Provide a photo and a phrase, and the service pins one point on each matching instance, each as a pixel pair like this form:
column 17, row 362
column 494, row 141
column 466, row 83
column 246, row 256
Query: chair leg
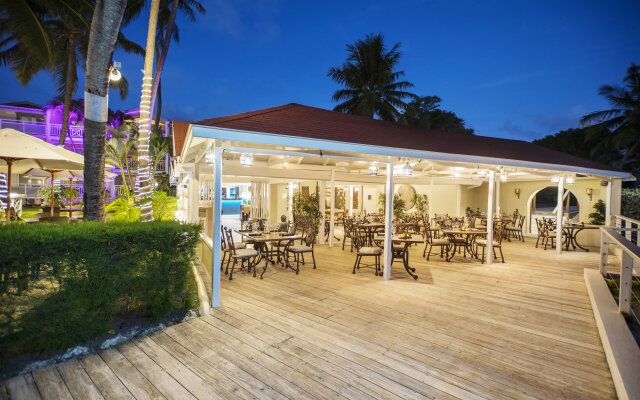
column 226, row 272
column 425, row 250
column 428, row 254
column 313, row 257
column 482, row 260
column 501, row 255
column 232, row 267
column 377, row 263
column 355, row 264
column 224, row 254
column 297, row 263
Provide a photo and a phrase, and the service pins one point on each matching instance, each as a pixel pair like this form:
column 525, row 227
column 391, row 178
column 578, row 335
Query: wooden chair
column 431, row 242
column 497, row 243
column 226, row 249
column 349, row 232
column 242, row 255
column 549, row 233
column 300, row 249
column 540, row 226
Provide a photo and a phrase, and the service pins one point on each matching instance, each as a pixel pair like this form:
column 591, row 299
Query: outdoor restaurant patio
column 522, row 329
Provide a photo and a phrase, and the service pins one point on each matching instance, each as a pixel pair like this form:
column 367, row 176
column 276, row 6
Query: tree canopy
column 425, row 112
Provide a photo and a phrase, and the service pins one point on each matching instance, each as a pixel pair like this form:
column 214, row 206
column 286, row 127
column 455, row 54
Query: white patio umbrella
column 20, row 152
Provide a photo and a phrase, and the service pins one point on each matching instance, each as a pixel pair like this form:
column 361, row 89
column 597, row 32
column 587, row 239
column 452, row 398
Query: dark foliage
column 425, row 112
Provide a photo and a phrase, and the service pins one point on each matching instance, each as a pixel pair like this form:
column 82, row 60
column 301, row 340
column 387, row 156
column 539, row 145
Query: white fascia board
column 211, row 132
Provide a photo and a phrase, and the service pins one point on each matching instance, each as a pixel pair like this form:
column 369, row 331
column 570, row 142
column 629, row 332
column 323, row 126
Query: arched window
column 542, row 204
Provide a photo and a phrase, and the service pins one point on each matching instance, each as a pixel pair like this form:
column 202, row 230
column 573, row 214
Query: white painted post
column 559, row 209
column 626, row 279
column 388, row 219
column 459, row 212
column 497, row 183
column 322, row 192
column 604, row 253
column 430, row 199
column 332, row 204
column 351, row 200
column 290, row 202
column 609, row 204
column 490, row 204
column 217, row 217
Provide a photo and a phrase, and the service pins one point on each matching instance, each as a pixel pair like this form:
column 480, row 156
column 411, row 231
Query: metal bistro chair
column 248, row 255
column 515, row 230
column 431, row 241
column 497, row 243
column 362, row 250
column 226, row 249
column 300, row 249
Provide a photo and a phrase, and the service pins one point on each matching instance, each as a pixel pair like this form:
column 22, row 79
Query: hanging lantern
column 407, row 170
column 555, row 179
column 570, row 180
column 246, row 160
column 373, row 168
column 209, row 157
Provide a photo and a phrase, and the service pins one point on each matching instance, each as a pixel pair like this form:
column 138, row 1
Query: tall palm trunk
column 142, row 178
column 105, row 26
column 159, row 108
column 68, row 90
column 163, row 56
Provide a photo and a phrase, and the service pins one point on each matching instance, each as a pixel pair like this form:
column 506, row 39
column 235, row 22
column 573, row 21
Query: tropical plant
column 105, row 28
column 399, row 205
column 422, row 205
column 45, row 193
column 598, row 215
column 69, row 194
column 622, row 120
column 370, row 80
column 164, row 207
column 631, row 203
column 159, row 147
column 123, row 210
column 309, row 208
column 424, row 112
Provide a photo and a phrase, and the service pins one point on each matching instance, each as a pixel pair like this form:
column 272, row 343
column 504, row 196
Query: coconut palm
column 623, row 120
column 371, row 82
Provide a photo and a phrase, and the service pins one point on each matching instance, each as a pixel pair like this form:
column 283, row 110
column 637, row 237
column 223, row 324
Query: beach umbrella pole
column 53, row 174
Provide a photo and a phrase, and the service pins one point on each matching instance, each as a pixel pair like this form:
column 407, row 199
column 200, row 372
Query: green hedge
column 62, row 285
column 631, row 203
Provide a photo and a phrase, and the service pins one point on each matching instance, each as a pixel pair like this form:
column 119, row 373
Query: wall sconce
column 517, row 191
column 590, row 193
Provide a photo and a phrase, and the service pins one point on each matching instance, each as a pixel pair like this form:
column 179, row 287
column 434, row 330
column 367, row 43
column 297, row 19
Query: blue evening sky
column 515, row 69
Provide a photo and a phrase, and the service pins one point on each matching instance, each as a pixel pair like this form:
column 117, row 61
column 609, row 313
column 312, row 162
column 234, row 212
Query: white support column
column 559, row 209
column 430, row 199
column 332, row 204
column 490, row 204
column 497, row 198
column 608, row 205
column 351, row 200
column 388, row 219
column 322, row 191
column 290, row 202
column 217, row 217
column 459, row 212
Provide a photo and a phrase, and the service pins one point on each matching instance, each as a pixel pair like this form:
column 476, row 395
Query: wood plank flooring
column 463, row 330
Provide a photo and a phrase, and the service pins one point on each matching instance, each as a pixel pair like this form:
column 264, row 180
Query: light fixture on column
column 570, row 180
column 209, row 157
column 590, row 193
column 517, row 192
column 407, row 170
column 246, row 160
column 373, row 168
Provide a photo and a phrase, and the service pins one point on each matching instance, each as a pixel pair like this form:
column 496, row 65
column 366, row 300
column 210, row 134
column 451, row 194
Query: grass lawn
column 31, row 211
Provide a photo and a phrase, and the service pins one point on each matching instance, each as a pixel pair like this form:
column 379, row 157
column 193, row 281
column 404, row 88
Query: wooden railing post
column 604, row 252
column 626, row 280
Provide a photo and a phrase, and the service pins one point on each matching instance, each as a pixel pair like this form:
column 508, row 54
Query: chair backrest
column 309, row 237
column 229, row 234
column 359, row 238
column 498, row 233
column 521, row 222
column 223, row 240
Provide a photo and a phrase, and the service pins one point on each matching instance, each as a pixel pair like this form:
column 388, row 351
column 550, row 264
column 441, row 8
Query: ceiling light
column 407, row 170
column 246, row 160
column 555, row 179
column 570, row 180
column 482, row 173
column 504, row 176
column 373, row 168
column 209, row 157
column 456, row 174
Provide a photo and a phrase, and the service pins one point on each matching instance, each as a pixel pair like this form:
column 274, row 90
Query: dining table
column 261, row 242
column 571, row 234
column 463, row 238
column 401, row 244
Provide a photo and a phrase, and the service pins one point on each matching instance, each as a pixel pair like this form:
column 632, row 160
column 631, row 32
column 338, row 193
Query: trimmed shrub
column 62, row 285
column 631, row 203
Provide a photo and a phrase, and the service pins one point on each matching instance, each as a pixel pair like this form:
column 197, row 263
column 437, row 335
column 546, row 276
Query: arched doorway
column 542, row 204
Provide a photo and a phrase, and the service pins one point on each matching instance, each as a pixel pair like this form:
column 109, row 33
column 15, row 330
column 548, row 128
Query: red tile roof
column 180, row 130
column 316, row 123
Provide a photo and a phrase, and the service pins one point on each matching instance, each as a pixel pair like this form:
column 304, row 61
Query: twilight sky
column 514, row 69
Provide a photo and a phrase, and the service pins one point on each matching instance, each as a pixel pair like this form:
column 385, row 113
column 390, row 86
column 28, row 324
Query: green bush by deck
column 76, row 278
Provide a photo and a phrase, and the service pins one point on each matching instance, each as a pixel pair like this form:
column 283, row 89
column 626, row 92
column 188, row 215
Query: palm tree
column 371, row 83
column 105, row 28
column 623, row 120
column 166, row 31
column 118, row 149
column 143, row 182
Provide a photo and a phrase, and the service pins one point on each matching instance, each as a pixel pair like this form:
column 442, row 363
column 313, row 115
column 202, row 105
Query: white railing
column 630, row 254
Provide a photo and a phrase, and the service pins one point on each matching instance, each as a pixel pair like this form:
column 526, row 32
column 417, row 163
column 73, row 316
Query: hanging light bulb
column 246, row 160
column 373, row 168
column 209, row 157
column 407, row 170
column 570, row 180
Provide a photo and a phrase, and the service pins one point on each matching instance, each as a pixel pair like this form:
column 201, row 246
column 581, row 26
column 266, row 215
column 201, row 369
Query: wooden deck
column 519, row 330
